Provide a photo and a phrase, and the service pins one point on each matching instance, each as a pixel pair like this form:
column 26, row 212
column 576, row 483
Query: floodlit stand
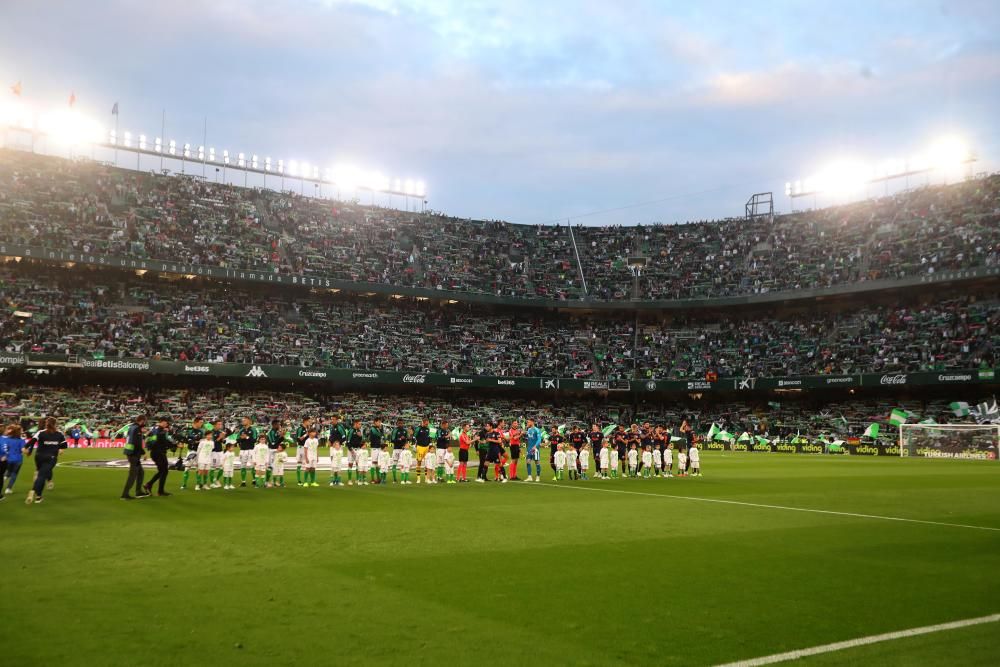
column 950, row 441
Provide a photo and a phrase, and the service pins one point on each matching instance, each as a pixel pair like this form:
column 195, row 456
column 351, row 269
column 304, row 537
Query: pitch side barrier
column 850, row 448
column 266, row 275
column 358, row 377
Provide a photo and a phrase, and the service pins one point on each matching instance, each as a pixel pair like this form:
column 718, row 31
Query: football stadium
column 261, row 410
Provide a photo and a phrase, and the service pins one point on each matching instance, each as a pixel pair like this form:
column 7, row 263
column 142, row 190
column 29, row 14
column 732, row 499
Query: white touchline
column 776, row 507
column 862, row 641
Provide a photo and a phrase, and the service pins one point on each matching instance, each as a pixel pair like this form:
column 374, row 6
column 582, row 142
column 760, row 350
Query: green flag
column 744, row 437
column 929, row 420
column 761, row 440
column 897, row 417
column 712, row 432
column 122, row 431
column 959, row 408
column 433, row 431
column 561, row 429
column 455, row 433
column 724, row 436
column 608, row 429
column 70, row 424
column 871, row 431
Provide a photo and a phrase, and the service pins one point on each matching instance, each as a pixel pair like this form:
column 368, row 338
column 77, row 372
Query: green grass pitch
column 552, row 573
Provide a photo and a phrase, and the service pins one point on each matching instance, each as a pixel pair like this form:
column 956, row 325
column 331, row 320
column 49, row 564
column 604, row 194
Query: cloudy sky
column 532, row 111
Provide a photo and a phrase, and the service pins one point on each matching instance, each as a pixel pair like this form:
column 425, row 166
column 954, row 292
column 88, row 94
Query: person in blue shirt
column 12, row 448
column 533, row 442
column 3, row 458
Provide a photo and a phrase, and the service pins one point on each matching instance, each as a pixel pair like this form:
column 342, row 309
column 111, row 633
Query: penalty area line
column 862, row 641
column 788, row 508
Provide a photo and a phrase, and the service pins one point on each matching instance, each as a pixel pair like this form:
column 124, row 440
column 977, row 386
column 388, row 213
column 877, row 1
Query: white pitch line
column 862, row 641
column 778, row 507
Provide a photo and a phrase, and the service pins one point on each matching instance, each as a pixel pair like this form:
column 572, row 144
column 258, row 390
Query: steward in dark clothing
column 158, row 443
column 133, row 452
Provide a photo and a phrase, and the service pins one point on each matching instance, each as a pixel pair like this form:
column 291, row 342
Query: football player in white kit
column 384, row 463
column 633, row 461
column 430, row 465
column 584, row 461
column 261, row 455
column 309, row 460
column 405, row 463
column 571, row 459
column 301, row 435
column 560, row 461
column 449, row 466
column 694, row 456
column 204, row 456
column 278, row 465
column 604, row 461
column 336, row 461
column 363, row 460
column 228, row 466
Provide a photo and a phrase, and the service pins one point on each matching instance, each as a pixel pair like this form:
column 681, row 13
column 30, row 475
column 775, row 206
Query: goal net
column 950, row 441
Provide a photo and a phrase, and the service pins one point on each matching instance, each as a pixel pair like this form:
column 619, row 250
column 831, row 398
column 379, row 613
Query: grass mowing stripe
column 779, row 507
column 862, row 641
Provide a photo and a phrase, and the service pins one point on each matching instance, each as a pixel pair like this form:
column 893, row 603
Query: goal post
column 950, row 441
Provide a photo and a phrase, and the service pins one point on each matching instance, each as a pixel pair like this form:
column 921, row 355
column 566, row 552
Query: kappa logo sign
column 256, row 372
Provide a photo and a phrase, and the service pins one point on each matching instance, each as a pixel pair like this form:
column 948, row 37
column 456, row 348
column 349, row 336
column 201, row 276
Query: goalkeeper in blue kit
column 533, row 443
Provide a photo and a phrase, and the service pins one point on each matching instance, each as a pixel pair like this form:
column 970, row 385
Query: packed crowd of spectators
column 959, row 332
column 919, row 232
column 107, row 408
column 106, row 314
column 52, row 311
column 95, row 208
column 91, row 207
